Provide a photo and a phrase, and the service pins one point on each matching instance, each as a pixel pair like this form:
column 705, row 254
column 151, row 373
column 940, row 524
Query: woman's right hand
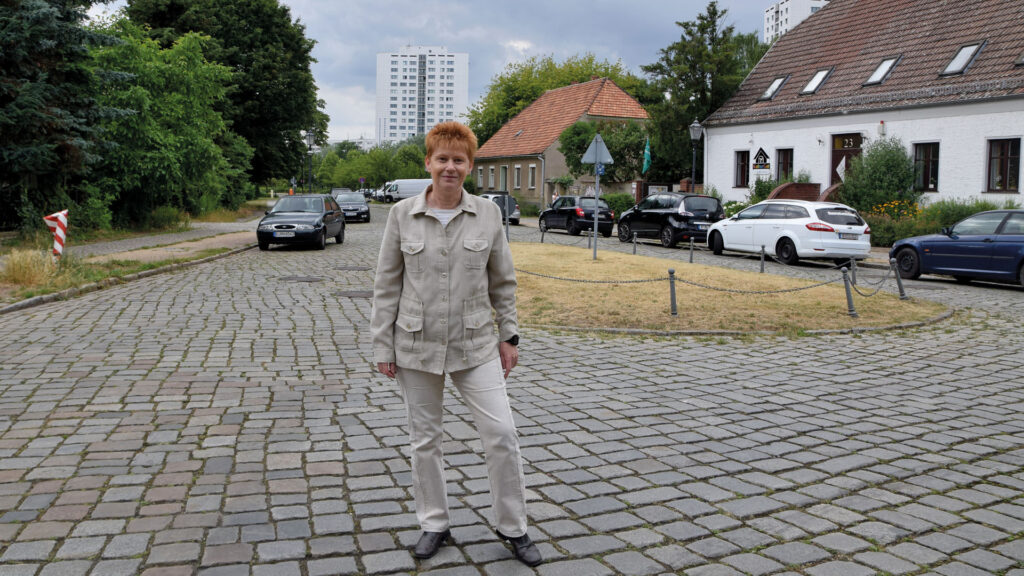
column 387, row 368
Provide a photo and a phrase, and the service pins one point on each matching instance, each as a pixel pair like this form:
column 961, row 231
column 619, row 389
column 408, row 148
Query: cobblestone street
column 225, row 420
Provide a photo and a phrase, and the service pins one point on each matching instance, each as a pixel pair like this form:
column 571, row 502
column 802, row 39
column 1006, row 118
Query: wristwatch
column 513, row 340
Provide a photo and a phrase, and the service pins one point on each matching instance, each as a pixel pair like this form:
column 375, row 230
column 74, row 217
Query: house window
column 742, row 177
column 964, row 56
column 816, row 81
column 926, row 167
column 490, row 177
column 1004, row 165
column 517, row 182
column 773, row 88
column 784, row 163
column 479, row 177
column 882, row 72
column 503, row 178
column 532, row 178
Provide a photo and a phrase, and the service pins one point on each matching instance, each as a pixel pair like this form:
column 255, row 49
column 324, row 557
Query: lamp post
column 309, row 151
column 695, row 130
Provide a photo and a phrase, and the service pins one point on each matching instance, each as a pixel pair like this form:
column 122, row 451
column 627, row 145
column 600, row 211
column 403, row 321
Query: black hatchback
column 575, row 214
column 671, row 217
column 302, row 219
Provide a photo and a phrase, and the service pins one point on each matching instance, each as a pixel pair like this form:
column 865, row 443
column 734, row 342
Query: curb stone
column 69, row 293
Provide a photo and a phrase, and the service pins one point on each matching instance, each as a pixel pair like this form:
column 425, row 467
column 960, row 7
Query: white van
column 402, row 189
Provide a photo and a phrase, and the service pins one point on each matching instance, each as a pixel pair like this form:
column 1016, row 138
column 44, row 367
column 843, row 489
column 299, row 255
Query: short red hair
column 451, row 135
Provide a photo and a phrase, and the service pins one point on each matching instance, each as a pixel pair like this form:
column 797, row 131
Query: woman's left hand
column 509, row 356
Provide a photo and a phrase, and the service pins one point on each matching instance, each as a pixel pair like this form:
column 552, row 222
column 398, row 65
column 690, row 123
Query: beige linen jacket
column 435, row 287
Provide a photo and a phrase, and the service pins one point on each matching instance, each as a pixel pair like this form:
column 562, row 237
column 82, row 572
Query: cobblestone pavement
column 225, row 419
column 198, row 230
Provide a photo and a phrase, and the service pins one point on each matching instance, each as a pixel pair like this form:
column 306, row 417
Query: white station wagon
column 794, row 229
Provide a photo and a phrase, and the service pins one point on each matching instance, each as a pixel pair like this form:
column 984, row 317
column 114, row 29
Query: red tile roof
column 854, row 36
column 535, row 128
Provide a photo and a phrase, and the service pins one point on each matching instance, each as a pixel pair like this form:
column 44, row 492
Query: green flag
column 647, row 155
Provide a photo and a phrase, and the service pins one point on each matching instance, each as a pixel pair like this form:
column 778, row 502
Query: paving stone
column 945, row 543
column 985, row 560
column 584, row 567
column 126, row 545
column 840, row 568
column 279, row 569
column 631, row 563
column 795, row 553
column 125, row 567
column 976, row 533
column 66, row 568
column 753, row 564
column 842, row 543
column 172, row 553
column 332, row 567
column 879, row 532
column 885, row 562
column 388, row 562
column 28, row 551
column 227, row 554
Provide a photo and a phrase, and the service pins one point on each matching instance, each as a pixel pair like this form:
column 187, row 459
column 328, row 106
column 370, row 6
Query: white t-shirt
column 445, row 216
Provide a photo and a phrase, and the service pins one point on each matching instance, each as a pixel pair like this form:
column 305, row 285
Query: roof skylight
column 816, row 81
column 882, row 72
column 964, row 56
column 773, row 88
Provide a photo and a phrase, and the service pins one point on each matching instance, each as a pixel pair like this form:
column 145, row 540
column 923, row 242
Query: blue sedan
column 985, row 246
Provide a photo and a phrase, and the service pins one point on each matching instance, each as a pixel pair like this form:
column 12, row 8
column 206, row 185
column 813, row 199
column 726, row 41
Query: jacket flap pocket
column 475, row 245
column 412, row 247
column 409, row 323
column 478, row 319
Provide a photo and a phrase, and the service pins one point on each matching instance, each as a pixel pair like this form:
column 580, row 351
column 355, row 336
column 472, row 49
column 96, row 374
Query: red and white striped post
column 58, row 223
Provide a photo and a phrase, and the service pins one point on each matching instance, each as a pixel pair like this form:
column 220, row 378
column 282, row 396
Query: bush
column 949, row 212
column 166, row 217
column 28, row 267
column 885, row 172
column 619, row 202
column 528, row 209
column 732, row 207
column 898, row 219
column 762, row 188
column 710, row 190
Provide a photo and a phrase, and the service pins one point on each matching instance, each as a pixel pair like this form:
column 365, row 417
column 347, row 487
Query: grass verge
column 247, row 211
column 548, row 302
column 29, row 273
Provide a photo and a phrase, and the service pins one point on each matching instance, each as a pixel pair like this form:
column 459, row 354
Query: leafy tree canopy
column 522, row 83
column 883, row 173
column 625, row 142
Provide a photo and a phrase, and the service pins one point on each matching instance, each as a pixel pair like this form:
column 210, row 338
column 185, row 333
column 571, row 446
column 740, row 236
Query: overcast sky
column 350, row 33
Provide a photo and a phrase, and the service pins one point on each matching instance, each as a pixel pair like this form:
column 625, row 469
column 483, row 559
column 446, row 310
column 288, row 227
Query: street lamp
column 695, row 130
column 309, row 150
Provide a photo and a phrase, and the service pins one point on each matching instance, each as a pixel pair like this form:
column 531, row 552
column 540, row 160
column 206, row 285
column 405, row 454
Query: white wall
column 962, row 132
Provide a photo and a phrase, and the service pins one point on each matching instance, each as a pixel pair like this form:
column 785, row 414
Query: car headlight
column 305, row 227
column 265, row 227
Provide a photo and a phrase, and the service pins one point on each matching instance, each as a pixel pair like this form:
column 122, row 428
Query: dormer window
column 882, row 72
column 1020, row 60
column 773, row 88
column 816, row 81
column 964, row 56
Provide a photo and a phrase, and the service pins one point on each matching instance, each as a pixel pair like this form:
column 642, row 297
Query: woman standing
column 444, row 265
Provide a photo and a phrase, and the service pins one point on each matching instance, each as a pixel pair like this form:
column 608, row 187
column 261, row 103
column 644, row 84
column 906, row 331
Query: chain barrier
column 582, row 281
column 677, row 279
column 877, row 285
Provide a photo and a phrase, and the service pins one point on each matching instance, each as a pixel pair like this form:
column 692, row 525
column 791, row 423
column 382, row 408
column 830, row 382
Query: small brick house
column 523, row 158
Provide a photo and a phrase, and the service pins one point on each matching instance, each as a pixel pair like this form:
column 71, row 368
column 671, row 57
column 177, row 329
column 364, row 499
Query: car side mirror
column 265, row 212
column 947, row 231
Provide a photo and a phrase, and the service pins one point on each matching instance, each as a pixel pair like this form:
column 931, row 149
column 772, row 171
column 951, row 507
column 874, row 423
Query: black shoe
column 430, row 543
column 524, row 548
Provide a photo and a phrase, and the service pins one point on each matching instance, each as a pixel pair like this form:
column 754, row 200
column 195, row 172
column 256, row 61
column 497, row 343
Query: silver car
column 501, row 200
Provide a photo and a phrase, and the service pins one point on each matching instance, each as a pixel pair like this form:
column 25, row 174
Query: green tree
column 521, row 83
column 47, row 108
column 697, row 74
column 884, row 173
column 273, row 97
column 625, row 142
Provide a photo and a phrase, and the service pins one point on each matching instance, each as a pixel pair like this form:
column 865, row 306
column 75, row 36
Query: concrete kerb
column 108, row 282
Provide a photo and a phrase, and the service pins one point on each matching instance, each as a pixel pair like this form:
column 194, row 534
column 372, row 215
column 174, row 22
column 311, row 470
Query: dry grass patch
column 543, row 301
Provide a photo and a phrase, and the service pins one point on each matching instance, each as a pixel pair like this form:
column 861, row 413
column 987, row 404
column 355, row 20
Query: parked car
column 302, row 219
column 500, row 200
column 378, row 194
column 671, row 217
column 985, row 246
column 354, row 205
column 576, row 214
column 405, row 188
column 366, row 192
column 336, row 191
column 794, row 229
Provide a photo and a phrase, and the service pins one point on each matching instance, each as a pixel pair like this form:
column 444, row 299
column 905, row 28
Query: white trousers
column 483, row 390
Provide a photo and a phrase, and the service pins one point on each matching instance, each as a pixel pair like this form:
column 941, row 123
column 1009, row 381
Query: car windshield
column 350, row 197
column 589, row 203
column 293, row 204
column 839, row 215
column 985, row 223
column 700, row 204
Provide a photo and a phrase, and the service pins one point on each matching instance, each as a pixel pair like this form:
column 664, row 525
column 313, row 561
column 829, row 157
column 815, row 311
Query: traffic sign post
column 598, row 155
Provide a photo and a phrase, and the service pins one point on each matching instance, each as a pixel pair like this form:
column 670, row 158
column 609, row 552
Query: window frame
column 885, row 75
column 479, row 176
column 532, row 177
column 770, row 94
column 737, row 181
column 490, row 177
column 925, row 166
column 979, row 46
column 1008, row 163
column 779, row 173
column 517, row 177
column 807, row 87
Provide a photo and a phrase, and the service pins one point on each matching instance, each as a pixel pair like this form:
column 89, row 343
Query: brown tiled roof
column 535, row 128
column 854, row 36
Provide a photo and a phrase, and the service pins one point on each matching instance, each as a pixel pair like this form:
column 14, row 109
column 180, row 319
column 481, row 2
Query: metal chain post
column 762, row 258
column 849, row 295
column 672, row 289
column 899, row 279
column 588, row 241
column 853, row 271
column 691, row 250
column 634, row 243
column 542, row 231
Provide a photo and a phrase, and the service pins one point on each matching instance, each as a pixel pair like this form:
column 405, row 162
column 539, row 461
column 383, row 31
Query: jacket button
column 444, row 274
column 443, row 321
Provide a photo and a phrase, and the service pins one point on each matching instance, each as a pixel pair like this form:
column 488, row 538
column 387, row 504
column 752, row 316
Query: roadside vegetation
column 548, row 302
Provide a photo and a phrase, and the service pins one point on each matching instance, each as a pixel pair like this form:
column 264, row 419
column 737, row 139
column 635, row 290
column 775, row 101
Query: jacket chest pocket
column 408, row 332
column 475, row 253
column 412, row 254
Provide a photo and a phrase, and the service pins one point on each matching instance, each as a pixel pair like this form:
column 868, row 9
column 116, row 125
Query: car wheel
column 340, row 237
column 264, row 245
column 321, row 242
column 1020, row 274
column 606, row 233
column 573, row 229
column 716, row 244
column 785, row 250
column 543, row 224
column 514, row 221
column 367, row 218
column 625, row 232
column 668, row 239
column 963, row 279
column 908, row 263
column 389, row 199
